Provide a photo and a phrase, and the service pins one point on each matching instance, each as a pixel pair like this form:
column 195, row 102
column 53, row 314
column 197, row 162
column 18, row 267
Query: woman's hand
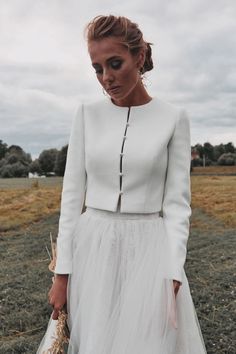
column 58, row 293
column 176, row 285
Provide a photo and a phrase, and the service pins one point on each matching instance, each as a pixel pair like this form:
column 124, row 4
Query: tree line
column 15, row 162
column 207, row 154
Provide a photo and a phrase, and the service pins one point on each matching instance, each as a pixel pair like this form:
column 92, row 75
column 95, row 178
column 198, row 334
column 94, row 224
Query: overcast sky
column 45, row 69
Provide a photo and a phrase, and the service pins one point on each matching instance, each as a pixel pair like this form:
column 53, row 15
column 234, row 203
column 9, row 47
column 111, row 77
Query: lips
column 113, row 89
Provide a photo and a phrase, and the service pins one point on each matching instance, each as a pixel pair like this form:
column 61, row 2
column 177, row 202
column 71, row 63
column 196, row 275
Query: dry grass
column 23, row 201
column 216, row 195
column 215, row 169
column 22, row 206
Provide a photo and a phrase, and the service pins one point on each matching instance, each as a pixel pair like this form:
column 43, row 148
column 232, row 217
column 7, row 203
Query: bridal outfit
column 130, row 168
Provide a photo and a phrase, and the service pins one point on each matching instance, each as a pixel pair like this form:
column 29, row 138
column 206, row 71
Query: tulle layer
column 119, row 298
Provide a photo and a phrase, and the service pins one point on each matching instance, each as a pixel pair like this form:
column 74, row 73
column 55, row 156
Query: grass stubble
column 29, row 211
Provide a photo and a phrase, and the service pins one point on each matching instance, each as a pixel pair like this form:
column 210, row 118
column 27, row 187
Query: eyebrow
column 109, row 59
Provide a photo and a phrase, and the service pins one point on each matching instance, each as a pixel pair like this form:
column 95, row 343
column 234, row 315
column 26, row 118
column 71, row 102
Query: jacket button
column 125, row 137
column 121, row 192
column 121, row 154
column 121, row 174
column 127, row 124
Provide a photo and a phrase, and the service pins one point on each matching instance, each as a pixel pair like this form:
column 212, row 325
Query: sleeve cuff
column 175, row 273
column 63, row 268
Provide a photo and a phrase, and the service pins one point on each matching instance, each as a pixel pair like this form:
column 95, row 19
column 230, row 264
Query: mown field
column 229, row 170
column 29, row 211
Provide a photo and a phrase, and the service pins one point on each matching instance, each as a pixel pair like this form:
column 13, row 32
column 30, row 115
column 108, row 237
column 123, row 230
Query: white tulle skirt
column 119, row 300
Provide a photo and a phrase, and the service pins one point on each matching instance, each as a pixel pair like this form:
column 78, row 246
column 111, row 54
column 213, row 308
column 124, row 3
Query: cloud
column 45, row 68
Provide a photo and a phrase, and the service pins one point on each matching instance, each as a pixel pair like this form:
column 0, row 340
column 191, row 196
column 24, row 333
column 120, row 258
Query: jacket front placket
column 122, row 153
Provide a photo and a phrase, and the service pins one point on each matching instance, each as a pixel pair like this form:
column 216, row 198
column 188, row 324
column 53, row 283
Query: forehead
column 102, row 49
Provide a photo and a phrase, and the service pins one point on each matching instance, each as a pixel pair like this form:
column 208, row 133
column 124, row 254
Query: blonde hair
column 119, row 26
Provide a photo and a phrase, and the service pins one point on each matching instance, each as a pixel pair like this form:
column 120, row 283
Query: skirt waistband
column 120, row 215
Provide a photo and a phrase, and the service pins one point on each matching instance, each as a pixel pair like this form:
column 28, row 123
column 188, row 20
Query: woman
column 120, row 263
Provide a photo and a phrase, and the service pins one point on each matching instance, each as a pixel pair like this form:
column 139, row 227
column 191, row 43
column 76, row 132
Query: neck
column 137, row 97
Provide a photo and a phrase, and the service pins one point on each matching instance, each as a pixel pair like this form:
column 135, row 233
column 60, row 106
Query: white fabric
column 156, row 171
column 48, row 338
column 120, row 300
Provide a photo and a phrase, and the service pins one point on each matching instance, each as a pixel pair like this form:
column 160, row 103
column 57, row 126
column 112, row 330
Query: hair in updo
column 119, row 26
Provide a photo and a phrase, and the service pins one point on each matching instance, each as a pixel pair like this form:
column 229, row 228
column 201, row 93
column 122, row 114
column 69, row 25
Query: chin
column 119, row 96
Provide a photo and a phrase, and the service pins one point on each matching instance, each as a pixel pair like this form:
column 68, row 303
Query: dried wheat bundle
column 53, row 258
column 61, row 337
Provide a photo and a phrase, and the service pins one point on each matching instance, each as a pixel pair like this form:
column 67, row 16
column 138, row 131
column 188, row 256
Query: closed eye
column 98, row 68
column 116, row 64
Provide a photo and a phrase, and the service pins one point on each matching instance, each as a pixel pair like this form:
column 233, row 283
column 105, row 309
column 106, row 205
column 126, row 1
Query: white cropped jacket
column 155, row 171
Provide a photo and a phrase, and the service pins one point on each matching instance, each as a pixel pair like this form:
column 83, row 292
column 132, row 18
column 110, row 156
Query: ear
column 141, row 58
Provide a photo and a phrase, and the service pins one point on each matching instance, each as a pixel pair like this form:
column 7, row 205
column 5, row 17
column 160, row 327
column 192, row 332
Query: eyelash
column 117, row 66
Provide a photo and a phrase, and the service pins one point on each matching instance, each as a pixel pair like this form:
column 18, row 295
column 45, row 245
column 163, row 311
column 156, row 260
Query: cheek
column 99, row 78
column 129, row 73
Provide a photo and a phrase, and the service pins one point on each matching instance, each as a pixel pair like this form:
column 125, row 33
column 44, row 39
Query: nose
column 107, row 76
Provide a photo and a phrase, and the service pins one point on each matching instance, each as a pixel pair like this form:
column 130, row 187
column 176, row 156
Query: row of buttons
column 122, row 153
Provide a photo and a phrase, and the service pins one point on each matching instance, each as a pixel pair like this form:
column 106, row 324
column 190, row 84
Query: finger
column 55, row 314
column 176, row 290
column 50, row 300
column 50, row 295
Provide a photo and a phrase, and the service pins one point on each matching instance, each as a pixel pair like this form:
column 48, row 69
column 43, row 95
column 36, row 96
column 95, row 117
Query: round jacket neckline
column 132, row 107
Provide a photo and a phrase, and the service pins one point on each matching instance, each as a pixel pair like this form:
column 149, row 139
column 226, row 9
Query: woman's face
column 117, row 70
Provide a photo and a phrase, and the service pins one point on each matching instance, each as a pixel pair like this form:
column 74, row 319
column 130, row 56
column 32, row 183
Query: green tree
column 208, row 151
column 15, row 162
column 19, row 153
column 19, row 170
column 229, row 147
column 227, row 159
column 6, row 171
column 35, row 167
column 218, row 151
column 199, row 149
column 47, row 160
column 3, row 149
column 61, row 161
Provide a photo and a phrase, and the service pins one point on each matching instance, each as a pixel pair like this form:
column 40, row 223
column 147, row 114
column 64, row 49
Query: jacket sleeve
column 177, row 196
column 73, row 194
